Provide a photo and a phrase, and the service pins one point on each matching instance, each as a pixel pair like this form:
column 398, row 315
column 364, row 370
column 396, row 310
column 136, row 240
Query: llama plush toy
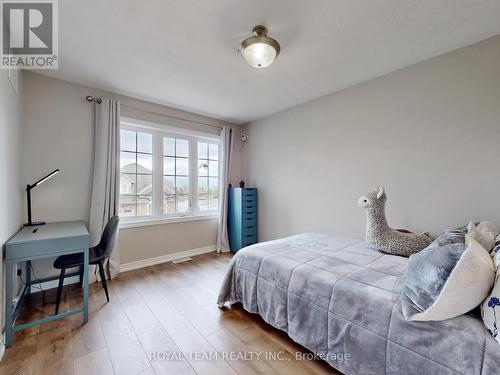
column 383, row 237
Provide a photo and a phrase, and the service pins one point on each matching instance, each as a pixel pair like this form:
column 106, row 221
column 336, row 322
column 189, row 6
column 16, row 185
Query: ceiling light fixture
column 259, row 51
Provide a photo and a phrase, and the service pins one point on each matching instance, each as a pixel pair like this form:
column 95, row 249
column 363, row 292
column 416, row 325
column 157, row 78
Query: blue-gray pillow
column 450, row 237
column 427, row 275
column 448, row 278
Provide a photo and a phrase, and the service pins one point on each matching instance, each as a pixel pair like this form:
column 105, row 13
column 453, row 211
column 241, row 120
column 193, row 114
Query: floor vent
column 181, row 260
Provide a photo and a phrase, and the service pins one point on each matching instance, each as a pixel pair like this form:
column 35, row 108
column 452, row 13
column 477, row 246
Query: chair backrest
column 108, row 237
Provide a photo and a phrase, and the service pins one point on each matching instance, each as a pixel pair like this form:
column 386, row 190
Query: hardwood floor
column 154, row 312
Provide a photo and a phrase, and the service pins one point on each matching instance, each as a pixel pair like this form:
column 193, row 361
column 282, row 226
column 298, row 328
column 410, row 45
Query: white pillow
column 484, row 233
column 466, row 286
column 490, row 309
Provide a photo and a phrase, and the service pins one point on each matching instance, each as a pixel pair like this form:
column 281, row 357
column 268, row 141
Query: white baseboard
column 131, row 266
column 165, row 258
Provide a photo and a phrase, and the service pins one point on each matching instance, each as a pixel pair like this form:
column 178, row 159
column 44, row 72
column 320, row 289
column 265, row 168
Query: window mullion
column 193, row 173
column 157, row 174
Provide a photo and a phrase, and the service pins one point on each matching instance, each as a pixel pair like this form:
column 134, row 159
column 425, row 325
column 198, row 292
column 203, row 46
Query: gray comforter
column 337, row 296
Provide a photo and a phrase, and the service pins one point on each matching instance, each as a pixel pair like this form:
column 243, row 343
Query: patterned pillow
column 490, row 309
column 447, row 281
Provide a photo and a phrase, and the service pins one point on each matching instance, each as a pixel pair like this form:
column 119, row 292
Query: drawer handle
column 249, row 207
column 249, row 200
column 250, row 227
column 249, row 235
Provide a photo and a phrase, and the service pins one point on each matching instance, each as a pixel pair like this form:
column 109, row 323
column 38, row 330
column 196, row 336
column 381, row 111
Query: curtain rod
column 171, row 117
column 92, row 99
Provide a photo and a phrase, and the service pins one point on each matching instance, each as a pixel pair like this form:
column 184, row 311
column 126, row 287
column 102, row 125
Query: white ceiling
column 183, row 53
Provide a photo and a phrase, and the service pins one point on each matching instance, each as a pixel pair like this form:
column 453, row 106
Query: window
column 136, row 173
column 208, row 176
column 165, row 173
column 175, row 175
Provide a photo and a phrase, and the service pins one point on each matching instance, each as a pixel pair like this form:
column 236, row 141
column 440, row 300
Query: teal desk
column 44, row 241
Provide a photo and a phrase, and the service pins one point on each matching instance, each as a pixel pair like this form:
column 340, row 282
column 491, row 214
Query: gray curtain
column 226, row 137
column 106, row 180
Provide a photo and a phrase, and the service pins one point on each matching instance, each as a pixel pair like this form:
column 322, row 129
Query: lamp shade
column 259, row 51
column 42, row 180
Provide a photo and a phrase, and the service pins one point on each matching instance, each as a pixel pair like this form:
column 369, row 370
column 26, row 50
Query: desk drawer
column 51, row 239
column 47, row 248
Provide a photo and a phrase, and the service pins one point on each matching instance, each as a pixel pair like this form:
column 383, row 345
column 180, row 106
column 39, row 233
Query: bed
column 339, row 298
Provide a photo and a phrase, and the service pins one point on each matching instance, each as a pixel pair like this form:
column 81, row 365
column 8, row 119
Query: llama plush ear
column 380, row 192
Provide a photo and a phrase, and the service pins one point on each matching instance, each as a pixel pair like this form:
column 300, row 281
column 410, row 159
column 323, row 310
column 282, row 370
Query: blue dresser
column 242, row 217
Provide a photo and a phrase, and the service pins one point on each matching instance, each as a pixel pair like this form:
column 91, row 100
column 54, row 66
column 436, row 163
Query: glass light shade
column 259, row 51
column 259, row 55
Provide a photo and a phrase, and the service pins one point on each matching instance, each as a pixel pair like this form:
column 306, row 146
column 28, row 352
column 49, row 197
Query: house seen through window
column 136, row 173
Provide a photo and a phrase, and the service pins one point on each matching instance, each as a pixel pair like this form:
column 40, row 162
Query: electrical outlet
column 19, row 271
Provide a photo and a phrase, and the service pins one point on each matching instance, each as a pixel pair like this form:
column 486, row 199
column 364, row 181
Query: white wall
column 430, row 133
column 58, row 134
column 11, row 191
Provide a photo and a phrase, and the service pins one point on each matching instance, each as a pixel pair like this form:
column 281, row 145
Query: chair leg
column 59, row 289
column 103, row 278
column 81, row 276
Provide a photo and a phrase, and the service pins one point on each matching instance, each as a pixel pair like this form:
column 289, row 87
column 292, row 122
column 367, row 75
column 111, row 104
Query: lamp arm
column 28, row 196
column 44, row 178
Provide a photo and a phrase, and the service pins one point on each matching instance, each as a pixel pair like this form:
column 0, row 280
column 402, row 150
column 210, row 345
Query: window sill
column 164, row 220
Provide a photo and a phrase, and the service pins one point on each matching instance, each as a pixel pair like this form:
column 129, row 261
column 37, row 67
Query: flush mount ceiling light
column 259, row 51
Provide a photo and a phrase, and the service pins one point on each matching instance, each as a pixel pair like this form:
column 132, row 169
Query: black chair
column 97, row 256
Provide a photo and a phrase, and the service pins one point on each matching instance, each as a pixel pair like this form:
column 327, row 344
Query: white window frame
column 159, row 131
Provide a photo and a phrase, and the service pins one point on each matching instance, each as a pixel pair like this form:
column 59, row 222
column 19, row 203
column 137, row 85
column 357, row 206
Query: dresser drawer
column 249, row 229
column 249, row 220
column 249, row 216
column 249, row 193
column 249, row 239
column 250, row 200
column 249, row 209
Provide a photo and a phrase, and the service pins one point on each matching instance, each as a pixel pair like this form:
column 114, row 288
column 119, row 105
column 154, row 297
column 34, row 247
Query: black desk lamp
column 28, row 195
